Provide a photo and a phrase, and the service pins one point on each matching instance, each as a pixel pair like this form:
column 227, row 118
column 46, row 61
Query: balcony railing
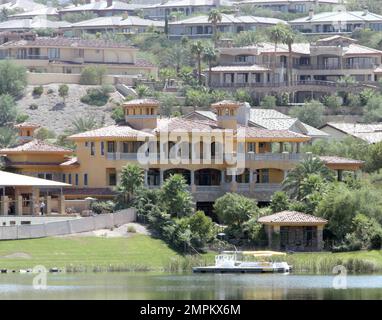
column 121, row 156
column 334, row 67
column 276, row 85
column 275, row 156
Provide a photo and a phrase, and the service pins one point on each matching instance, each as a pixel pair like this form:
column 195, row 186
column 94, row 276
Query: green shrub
column 50, row 91
column 268, row 102
column 97, row 96
column 22, row 117
column 131, row 229
column 33, row 106
column 102, row 207
column 38, row 91
column 92, row 75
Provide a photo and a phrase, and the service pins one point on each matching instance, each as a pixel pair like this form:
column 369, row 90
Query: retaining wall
column 85, row 224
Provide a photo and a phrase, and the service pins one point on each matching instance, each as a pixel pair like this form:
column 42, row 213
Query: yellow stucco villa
column 214, row 156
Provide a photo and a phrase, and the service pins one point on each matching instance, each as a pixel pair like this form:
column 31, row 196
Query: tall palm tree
column 210, row 55
column 214, row 17
column 277, row 34
column 82, row 124
column 293, row 181
column 197, row 49
column 289, row 39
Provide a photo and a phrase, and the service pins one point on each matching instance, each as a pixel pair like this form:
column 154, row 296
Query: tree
column 374, row 159
column 268, row 102
column 214, row 17
column 63, row 92
column 288, row 39
column 8, row 137
column 131, row 181
column 234, row 209
column 202, row 229
column 276, row 35
column 197, row 49
column 8, row 111
column 92, row 75
column 143, row 91
column 83, row 124
column 311, row 113
column 176, row 198
column 292, row 183
column 210, row 55
column 373, row 109
column 13, row 78
column 279, row 202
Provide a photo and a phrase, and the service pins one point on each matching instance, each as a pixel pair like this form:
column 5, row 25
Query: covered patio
column 294, row 231
column 23, row 195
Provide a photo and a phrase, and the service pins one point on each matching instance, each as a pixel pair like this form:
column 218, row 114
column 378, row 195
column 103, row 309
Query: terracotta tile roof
column 37, row 146
column 27, row 125
column 239, row 68
column 71, row 162
column 141, row 102
column 339, row 160
column 115, row 131
column 67, row 42
column 252, row 132
column 224, row 103
column 143, row 63
column 292, row 217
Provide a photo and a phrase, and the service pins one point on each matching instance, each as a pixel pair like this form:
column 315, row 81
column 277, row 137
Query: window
column 49, row 176
column 112, row 179
column 125, row 147
column 102, row 148
column 64, row 177
column 251, row 147
column 85, row 179
column 53, row 53
column 70, row 179
column 110, row 147
column 86, row 144
column 92, row 149
column 76, row 179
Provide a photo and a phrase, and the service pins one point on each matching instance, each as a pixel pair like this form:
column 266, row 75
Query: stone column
column 276, row 244
column 192, row 181
column 145, row 182
column 19, row 205
column 251, row 180
column 319, row 236
column 160, row 177
column 298, row 144
column 281, row 147
column 4, row 205
column 61, row 204
column 48, row 205
column 35, row 201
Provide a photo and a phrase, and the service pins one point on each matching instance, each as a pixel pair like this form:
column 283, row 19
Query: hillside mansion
column 228, row 154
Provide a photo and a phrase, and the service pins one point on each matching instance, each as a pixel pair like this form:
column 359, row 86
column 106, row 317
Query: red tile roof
column 141, row 102
column 292, row 217
column 115, row 131
column 339, row 160
column 27, row 125
column 37, row 146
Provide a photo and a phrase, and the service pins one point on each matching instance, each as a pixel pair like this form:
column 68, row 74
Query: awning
column 8, row 179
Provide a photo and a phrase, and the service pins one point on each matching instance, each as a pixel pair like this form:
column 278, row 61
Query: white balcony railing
column 286, row 156
column 121, row 156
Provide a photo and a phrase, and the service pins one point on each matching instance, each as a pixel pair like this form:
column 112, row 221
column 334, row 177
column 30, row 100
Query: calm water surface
column 190, row 286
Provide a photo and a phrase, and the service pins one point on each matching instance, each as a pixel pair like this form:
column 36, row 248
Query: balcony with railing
column 285, row 156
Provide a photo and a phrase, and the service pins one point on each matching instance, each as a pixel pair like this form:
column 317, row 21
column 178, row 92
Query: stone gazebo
column 295, row 231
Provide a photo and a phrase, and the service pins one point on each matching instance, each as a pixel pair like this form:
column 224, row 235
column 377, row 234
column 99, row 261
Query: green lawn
column 136, row 252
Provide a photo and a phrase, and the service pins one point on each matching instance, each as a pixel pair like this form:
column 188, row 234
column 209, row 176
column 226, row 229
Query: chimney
column 226, row 113
column 365, row 10
column 311, row 14
column 26, row 131
column 244, row 113
column 109, row 3
column 141, row 113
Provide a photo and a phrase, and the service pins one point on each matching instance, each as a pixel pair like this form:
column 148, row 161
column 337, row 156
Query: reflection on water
column 208, row 286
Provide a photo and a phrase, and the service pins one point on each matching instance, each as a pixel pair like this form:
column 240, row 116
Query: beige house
column 314, row 67
column 49, row 58
column 294, row 231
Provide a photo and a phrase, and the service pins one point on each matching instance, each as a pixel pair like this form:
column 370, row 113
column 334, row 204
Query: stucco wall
column 68, row 226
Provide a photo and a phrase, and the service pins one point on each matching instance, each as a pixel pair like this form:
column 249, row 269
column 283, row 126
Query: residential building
column 42, row 12
column 268, row 119
column 22, row 5
column 32, row 24
column 370, row 133
column 200, row 27
column 337, row 22
column 227, row 154
column 313, row 68
column 102, row 8
column 291, row 6
column 49, row 58
column 129, row 25
column 186, row 7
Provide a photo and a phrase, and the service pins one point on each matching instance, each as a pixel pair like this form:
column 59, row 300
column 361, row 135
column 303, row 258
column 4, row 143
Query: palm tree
column 142, row 91
column 131, row 181
column 214, row 17
column 277, row 34
column 197, row 49
column 292, row 183
column 210, row 55
column 82, row 124
column 289, row 38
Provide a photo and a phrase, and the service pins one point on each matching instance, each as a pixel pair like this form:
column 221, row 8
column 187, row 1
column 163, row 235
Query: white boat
column 228, row 263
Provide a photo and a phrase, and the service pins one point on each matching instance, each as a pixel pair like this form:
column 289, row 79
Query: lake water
column 189, row 286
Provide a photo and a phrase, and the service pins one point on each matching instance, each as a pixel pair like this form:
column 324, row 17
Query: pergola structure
column 21, row 194
column 295, row 231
